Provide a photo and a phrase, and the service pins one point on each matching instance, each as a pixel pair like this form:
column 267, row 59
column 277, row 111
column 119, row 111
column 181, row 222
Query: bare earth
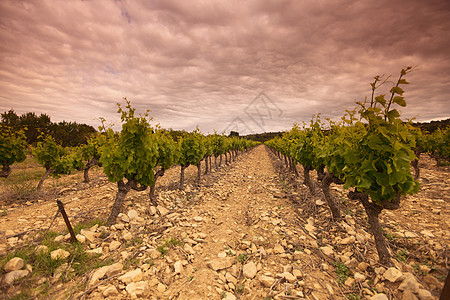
column 242, row 230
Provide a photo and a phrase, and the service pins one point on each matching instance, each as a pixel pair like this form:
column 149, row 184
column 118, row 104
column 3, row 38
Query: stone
column 14, row 264
column 137, row 288
column 427, row 233
column 81, row 238
column 362, row 266
column 59, row 254
column 98, row 250
column 110, row 291
column 127, row 236
column 162, row 210
column 409, row 234
column 359, row 277
column 198, row 219
column 152, row 210
column 131, row 276
column 132, row 215
column 89, row 235
column 289, row 277
column 297, row 273
column 161, row 287
column 327, row 250
column 188, row 248
column 392, row 274
column 178, row 266
column 14, row 275
column 220, row 263
column 229, row 296
column 249, row 270
column 230, row 278
column 424, row 294
column 278, row 249
column 379, row 297
column 105, row 271
column 409, row 283
column 114, row 245
column 266, row 280
column 310, row 228
column 348, row 240
column 408, row 295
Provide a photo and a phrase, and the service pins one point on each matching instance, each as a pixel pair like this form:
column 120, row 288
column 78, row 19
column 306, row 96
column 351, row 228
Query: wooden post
column 66, row 219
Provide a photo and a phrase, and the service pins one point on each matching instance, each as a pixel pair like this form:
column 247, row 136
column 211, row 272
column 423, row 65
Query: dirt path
column 250, row 230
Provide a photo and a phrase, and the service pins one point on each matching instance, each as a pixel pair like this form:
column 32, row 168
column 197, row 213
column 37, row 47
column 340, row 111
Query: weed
column 401, row 255
column 242, row 258
column 131, row 262
column 170, row 243
column 3, row 213
column 342, row 271
column 353, row 296
column 240, row 288
column 191, row 277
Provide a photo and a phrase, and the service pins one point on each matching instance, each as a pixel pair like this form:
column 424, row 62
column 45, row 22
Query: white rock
column 15, row 263
column 266, row 280
column 379, row 297
column 42, row 248
column 81, row 238
column 178, row 266
column 133, row 215
column 249, row 270
column 427, row 233
column 359, row 277
column 127, row 236
column 348, row 240
column 110, row 291
column 161, row 287
column 162, row 210
column 90, row 236
column 392, row 274
column 278, row 249
column 220, row 263
column 59, row 254
column 131, row 276
column 198, row 219
column 424, row 294
column 152, row 210
column 137, row 288
column 229, row 296
column 320, row 202
column 114, row 245
column 327, row 250
column 409, row 283
column 105, row 271
column 14, row 275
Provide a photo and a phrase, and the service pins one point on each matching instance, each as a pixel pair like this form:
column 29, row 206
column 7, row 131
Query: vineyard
column 355, row 209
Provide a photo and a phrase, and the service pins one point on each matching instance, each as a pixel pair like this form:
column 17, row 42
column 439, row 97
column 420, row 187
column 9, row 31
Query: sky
column 249, row 66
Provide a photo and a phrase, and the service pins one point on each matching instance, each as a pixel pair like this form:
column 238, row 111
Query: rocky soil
column 250, row 230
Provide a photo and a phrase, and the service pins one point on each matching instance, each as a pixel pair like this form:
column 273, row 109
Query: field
column 249, row 230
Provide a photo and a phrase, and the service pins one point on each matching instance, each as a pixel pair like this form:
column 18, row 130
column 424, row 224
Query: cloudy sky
column 250, row 66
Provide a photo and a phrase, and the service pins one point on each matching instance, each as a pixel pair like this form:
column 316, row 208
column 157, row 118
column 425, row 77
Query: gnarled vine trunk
column 182, row 177
column 6, row 170
column 122, row 191
column 307, row 180
column 159, row 173
column 48, row 171
column 373, row 211
column 89, row 165
column 327, row 180
column 199, row 171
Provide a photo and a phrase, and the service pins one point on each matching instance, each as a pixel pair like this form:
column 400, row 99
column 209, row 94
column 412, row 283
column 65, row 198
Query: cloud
column 201, row 63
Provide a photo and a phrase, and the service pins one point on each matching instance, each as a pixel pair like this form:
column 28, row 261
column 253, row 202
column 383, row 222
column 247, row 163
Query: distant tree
column 234, row 133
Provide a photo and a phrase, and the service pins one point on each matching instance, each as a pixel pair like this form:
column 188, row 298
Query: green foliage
column 53, row 156
column 342, row 271
column 192, row 149
column 242, row 258
column 133, row 153
column 12, row 147
column 168, row 150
